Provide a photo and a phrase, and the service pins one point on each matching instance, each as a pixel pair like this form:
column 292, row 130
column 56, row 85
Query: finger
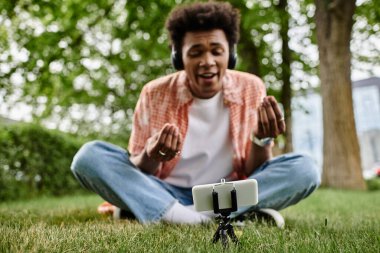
column 276, row 108
column 175, row 140
column 279, row 115
column 168, row 140
column 168, row 148
column 271, row 119
column 258, row 128
column 159, row 148
column 263, row 121
column 179, row 143
column 164, row 133
column 281, row 126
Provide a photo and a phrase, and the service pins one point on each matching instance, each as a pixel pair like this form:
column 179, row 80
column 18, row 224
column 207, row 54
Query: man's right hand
column 164, row 145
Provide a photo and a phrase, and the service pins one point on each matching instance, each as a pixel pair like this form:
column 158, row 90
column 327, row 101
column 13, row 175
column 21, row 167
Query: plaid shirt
column 168, row 99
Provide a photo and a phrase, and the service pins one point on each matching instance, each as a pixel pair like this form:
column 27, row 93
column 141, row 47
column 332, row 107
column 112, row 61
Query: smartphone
column 246, row 194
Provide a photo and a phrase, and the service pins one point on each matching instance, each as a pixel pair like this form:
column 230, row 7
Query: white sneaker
column 116, row 213
column 275, row 215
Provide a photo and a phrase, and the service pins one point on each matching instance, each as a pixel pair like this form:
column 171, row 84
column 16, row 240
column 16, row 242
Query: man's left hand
column 271, row 121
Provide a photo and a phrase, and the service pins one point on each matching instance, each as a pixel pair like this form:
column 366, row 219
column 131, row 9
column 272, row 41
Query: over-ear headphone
column 178, row 62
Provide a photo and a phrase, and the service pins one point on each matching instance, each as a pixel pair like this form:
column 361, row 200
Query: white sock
column 209, row 214
column 180, row 214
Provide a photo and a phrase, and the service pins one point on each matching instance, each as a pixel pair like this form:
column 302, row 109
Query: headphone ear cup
column 232, row 58
column 177, row 60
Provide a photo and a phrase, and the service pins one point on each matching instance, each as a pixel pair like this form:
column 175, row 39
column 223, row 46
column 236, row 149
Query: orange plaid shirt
column 168, row 99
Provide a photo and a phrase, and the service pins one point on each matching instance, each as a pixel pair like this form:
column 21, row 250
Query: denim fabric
column 106, row 170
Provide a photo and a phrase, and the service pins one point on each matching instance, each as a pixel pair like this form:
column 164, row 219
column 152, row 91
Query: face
column 205, row 58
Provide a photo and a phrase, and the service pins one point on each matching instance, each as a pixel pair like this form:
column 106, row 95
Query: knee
column 87, row 157
column 306, row 171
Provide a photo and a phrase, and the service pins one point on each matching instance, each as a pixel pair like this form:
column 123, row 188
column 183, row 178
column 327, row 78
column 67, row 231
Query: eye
column 217, row 51
column 194, row 53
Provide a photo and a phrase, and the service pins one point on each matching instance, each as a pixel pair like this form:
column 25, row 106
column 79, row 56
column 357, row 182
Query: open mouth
column 207, row 75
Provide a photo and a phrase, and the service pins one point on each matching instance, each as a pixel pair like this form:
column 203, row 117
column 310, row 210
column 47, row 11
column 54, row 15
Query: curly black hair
column 203, row 17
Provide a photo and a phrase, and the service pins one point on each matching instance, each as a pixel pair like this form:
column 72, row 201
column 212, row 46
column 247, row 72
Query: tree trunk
column 342, row 163
column 251, row 54
column 286, row 94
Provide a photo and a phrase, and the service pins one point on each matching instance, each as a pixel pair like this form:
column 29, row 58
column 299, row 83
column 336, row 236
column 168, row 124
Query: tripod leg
column 231, row 233
column 224, row 238
column 216, row 236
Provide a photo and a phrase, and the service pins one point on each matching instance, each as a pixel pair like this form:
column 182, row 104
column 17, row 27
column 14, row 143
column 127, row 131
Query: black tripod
column 225, row 228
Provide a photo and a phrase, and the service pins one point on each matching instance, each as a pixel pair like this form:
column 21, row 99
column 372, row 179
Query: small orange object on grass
column 106, row 208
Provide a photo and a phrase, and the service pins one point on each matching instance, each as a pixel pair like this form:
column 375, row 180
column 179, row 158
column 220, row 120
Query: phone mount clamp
column 225, row 229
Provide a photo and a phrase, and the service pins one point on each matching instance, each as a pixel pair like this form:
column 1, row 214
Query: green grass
column 328, row 221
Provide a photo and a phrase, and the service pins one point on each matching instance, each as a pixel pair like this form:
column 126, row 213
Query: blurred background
column 72, row 70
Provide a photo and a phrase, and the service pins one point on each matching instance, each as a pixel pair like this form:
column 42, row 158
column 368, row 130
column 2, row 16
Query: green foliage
column 84, row 53
column 366, row 35
column 328, row 221
column 77, row 54
column 373, row 184
column 93, row 57
column 35, row 161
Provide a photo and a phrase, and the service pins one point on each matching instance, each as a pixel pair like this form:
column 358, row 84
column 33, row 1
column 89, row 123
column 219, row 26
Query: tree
column 264, row 24
column 286, row 53
column 342, row 163
column 365, row 45
column 84, row 63
column 81, row 62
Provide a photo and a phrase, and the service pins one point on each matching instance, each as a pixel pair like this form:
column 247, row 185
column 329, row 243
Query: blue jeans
column 106, row 170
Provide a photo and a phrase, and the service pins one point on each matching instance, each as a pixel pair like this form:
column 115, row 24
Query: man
column 198, row 125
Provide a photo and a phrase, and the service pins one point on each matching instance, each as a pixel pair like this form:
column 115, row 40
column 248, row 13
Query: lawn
column 328, row 221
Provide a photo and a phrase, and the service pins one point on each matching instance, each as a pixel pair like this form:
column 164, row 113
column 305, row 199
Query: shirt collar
column 231, row 93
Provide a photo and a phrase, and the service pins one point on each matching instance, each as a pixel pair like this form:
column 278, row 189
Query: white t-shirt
column 206, row 155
